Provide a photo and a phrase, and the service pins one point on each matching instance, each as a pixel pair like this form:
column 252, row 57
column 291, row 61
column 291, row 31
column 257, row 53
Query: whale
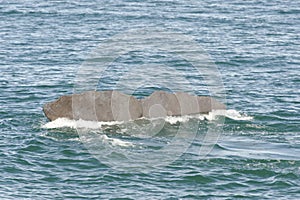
column 112, row 105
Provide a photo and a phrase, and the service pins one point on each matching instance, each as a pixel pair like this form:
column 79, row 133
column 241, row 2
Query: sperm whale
column 115, row 106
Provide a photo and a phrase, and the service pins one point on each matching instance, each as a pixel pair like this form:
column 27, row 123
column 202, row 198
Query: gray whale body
column 116, row 106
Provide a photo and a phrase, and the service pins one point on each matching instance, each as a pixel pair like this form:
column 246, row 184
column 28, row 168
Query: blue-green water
column 255, row 46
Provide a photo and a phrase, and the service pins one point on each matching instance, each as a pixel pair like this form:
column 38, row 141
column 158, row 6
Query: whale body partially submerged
column 116, row 106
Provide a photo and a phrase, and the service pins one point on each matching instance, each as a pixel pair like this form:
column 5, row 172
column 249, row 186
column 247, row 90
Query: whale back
column 116, row 106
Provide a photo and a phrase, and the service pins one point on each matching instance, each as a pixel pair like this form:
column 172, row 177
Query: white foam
column 175, row 119
column 232, row 114
column 116, row 142
column 64, row 122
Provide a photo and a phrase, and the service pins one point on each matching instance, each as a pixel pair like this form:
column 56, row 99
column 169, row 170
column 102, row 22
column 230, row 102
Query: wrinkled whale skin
column 116, row 106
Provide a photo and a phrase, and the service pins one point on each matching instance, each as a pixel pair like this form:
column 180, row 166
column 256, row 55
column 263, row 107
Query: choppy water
column 255, row 46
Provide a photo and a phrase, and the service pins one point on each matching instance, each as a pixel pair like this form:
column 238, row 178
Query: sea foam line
column 64, row 122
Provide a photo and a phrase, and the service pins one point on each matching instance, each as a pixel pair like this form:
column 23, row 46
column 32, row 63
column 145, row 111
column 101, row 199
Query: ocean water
column 255, row 46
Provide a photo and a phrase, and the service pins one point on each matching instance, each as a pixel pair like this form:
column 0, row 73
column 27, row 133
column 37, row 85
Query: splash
column 176, row 119
column 116, row 142
column 232, row 114
column 64, row 122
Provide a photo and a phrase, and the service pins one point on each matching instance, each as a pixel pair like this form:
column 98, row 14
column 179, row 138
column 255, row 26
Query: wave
column 64, row 122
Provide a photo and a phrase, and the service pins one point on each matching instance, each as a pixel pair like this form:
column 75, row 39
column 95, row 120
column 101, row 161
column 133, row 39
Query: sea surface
column 255, row 151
